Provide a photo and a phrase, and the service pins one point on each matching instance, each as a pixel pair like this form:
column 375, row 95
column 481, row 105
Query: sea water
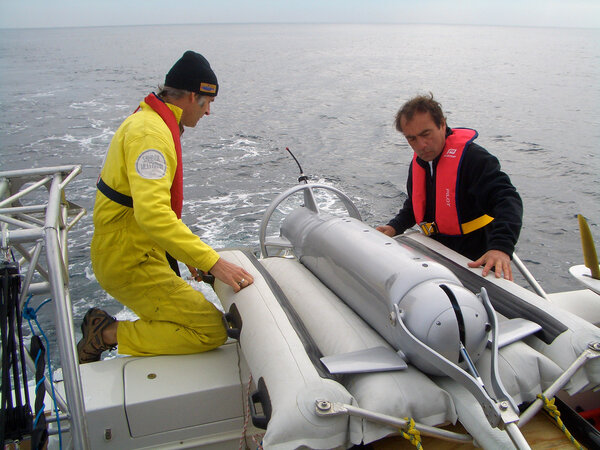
column 330, row 94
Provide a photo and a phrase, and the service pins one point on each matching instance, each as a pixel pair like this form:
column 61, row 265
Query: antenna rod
column 302, row 177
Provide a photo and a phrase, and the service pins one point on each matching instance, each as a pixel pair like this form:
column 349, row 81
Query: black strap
column 115, row 196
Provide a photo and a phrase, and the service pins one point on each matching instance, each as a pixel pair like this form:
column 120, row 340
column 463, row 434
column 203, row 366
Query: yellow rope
column 412, row 434
column 555, row 414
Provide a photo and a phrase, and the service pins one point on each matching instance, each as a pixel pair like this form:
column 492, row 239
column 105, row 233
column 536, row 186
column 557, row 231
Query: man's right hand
column 235, row 276
column 387, row 230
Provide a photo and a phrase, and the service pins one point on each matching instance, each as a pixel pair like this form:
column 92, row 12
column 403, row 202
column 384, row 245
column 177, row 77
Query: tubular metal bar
column 76, row 219
column 326, row 408
column 529, row 277
column 20, row 173
column 63, row 236
column 30, row 219
column 311, row 204
column 23, row 209
column 53, row 418
column 516, row 436
column 74, row 171
column 24, row 192
column 593, row 351
column 64, row 320
column 28, row 257
column 54, row 432
column 21, row 236
column 16, row 222
column 3, row 186
column 29, row 275
column 39, row 288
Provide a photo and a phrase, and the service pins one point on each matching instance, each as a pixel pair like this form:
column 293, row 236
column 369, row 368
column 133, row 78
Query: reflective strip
column 476, row 224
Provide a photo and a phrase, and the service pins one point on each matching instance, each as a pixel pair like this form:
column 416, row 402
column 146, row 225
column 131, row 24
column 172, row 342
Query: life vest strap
column 115, row 196
column 430, row 228
column 476, row 224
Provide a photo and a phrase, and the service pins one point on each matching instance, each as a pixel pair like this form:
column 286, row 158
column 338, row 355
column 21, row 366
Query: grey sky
column 60, row 13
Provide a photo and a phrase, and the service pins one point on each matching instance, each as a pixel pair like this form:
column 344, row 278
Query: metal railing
column 35, row 218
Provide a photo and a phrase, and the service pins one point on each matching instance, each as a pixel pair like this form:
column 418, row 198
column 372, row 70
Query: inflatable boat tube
column 280, row 365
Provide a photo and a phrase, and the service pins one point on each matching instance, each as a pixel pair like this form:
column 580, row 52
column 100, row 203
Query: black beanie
column 193, row 73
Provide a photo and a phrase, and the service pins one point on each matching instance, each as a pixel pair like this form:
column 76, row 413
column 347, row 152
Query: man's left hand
column 496, row 259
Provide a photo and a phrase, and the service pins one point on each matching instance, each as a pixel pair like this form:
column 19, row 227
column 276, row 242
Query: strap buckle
column 428, row 228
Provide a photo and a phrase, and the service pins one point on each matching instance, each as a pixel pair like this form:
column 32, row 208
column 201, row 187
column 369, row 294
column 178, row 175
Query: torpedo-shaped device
column 384, row 282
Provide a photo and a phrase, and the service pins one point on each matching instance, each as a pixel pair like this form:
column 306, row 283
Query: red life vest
column 167, row 115
column 446, row 178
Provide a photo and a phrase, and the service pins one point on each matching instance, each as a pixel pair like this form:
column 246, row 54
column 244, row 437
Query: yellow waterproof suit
column 129, row 244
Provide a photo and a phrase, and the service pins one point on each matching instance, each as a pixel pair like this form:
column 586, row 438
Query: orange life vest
column 447, row 218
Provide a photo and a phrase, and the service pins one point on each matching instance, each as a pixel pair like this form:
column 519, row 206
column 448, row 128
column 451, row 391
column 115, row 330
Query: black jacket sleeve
column 485, row 189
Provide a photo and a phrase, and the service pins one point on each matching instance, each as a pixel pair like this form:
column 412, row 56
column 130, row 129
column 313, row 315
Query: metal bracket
column 591, row 352
column 326, row 408
column 490, row 408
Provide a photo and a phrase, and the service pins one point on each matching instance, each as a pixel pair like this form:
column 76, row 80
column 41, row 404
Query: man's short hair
column 168, row 92
column 171, row 92
column 420, row 104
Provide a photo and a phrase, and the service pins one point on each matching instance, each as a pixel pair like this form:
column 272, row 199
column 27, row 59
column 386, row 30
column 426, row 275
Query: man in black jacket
column 457, row 192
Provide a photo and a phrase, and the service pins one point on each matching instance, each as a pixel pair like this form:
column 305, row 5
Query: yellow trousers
column 174, row 318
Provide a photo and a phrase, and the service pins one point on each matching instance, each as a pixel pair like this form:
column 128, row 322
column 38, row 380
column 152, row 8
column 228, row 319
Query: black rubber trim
column 311, row 348
column 504, row 302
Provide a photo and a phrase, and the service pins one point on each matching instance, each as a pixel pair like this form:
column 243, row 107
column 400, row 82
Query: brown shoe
column 91, row 345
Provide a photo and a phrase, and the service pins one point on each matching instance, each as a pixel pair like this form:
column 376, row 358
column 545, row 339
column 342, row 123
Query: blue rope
column 31, row 314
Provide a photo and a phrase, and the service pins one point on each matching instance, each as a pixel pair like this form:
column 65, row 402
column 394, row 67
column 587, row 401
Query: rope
column 31, row 314
column 412, row 434
column 551, row 408
column 246, row 418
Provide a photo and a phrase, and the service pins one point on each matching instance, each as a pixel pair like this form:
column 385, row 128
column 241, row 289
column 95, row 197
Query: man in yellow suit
column 138, row 232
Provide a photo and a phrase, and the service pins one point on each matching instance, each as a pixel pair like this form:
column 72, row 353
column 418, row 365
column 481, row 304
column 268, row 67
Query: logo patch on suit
column 151, row 164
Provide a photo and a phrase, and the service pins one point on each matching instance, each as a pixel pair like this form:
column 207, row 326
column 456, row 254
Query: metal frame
column 44, row 226
column 309, row 202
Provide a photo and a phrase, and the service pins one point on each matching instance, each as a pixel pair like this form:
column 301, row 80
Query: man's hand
column 230, row 274
column 497, row 259
column 387, row 230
